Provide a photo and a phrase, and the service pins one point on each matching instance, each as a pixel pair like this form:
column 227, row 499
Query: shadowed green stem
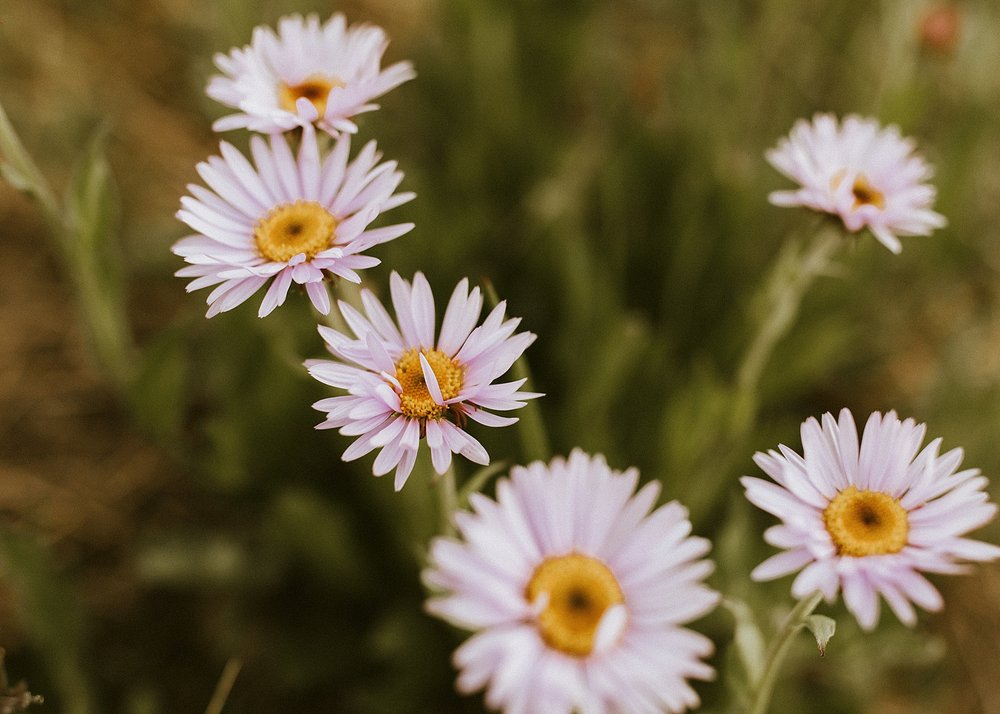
column 778, row 650
column 793, row 273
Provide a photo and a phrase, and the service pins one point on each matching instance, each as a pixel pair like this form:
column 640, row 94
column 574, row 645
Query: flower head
column 305, row 74
column 404, row 385
column 289, row 220
column 867, row 175
column 867, row 518
column 576, row 593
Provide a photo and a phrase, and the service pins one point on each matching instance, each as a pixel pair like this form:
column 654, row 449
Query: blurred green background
column 165, row 504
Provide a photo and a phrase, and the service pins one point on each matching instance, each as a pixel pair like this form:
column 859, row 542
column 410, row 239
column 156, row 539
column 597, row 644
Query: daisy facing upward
column 305, row 74
column 866, row 518
column 576, row 591
column 290, row 220
column 404, row 385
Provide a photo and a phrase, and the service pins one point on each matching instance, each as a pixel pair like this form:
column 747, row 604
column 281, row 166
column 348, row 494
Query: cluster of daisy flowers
column 577, row 588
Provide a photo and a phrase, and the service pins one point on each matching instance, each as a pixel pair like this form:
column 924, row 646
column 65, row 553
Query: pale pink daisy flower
column 287, row 221
column 867, row 175
column 404, row 386
column 576, row 593
column 867, row 518
column 307, row 73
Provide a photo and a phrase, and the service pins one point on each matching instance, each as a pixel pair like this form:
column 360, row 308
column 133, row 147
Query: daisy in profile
column 576, row 593
column 305, row 74
column 867, row 175
column 868, row 518
column 290, row 220
column 404, row 385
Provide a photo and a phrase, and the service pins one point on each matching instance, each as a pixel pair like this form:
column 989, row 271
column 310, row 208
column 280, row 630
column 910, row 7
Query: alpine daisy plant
column 405, row 385
column 867, row 518
column 307, row 73
column 288, row 221
column 576, row 590
column 867, row 175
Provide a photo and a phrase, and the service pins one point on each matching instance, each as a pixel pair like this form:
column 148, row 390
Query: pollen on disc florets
column 294, row 228
column 580, row 590
column 864, row 523
column 415, row 399
column 316, row 88
column 865, row 194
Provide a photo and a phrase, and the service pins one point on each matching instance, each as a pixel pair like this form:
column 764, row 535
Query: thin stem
column 225, row 686
column 778, row 650
column 793, row 273
column 447, row 500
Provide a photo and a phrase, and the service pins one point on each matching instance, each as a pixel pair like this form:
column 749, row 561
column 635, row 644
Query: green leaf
column 92, row 201
column 748, row 639
column 823, row 628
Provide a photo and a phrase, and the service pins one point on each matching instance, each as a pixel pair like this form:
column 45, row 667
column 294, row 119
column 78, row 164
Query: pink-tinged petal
column 781, row 564
column 861, row 599
column 319, row 296
column 422, row 305
column 404, row 468
column 430, row 379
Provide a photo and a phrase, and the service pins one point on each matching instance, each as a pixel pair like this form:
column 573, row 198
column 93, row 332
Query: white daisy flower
column 305, row 74
column 867, row 175
column 866, row 519
column 404, row 386
column 576, row 593
column 287, row 221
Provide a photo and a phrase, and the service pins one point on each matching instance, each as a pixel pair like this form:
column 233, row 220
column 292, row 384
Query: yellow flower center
column 580, row 590
column 864, row 523
column 293, row 228
column 865, row 194
column 316, row 88
column 416, row 400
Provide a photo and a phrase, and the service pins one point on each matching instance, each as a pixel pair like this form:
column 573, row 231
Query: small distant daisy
column 287, row 221
column 307, row 73
column 405, row 386
column 575, row 592
column 867, row 175
column 866, row 519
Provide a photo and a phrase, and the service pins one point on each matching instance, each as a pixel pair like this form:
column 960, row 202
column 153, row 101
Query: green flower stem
column 778, row 650
column 447, row 500
column 793, row 273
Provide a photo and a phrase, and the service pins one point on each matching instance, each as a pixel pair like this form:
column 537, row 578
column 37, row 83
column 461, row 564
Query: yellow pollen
column 415, row 400
column 865, row 194
column 864, row 523
column 293, row 228
column 580, row 590
column 316, row 88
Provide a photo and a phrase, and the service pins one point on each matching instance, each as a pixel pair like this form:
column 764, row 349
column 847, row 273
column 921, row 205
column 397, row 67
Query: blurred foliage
column 601, row 164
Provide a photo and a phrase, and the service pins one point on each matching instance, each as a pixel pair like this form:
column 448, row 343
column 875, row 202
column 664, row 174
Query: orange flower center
column 864, row 523
column 293, row 228
column 580, row 589
column 416, row 401
column 316, row 88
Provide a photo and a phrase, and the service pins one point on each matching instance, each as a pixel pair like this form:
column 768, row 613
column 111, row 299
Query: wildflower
column 404, row 386
column 575, row 592
column 866, row 519
column 305, row 74
column 287, row 221
column 867, row 175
